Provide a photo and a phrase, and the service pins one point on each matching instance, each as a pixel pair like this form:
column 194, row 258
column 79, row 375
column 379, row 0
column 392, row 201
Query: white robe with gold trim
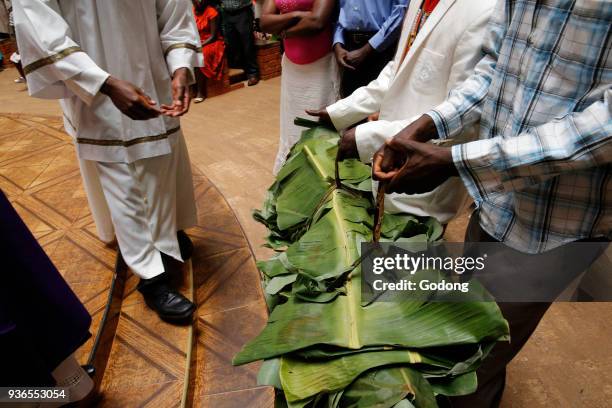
column 69, row 48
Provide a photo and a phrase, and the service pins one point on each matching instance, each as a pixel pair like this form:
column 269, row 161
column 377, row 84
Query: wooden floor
column 40, row 177
column 232, row 139
column 151, row 363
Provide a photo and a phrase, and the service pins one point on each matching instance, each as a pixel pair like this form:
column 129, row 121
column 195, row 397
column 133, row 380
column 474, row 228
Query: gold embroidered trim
column 144, row 139
column 182, row 45
column 50, row 59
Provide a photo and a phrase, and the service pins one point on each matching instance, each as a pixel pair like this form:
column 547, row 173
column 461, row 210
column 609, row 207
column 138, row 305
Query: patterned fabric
column 233, row 5
column 427, row 7
column 541, row 172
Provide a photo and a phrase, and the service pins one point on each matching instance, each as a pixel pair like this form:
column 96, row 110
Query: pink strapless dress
column 305, row 50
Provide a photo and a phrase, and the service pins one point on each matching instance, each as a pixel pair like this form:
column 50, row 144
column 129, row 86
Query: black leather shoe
column 170, row 305
column 185, row 245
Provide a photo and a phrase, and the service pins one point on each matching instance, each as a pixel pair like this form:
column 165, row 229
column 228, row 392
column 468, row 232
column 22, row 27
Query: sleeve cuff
column 377, row 42
column 370, row 136
column 447, row 120
column 366, row 146
column 474, row 164
column 185, row 58
column 87, row 84
column 339, row 115
column 338, row 37
column 75, row 74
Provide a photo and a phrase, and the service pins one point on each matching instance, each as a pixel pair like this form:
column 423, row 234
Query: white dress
column 303, row 86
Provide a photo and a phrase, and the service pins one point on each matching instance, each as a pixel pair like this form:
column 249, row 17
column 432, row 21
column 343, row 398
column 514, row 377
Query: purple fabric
column 42, row 321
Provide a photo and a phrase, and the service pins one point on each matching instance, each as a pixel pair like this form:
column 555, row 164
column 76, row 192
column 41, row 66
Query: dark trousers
column 523, row 317
column 240, row 40
column 369, row 69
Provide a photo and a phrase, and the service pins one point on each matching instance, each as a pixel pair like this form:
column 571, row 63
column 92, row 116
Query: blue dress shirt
column 381, row 16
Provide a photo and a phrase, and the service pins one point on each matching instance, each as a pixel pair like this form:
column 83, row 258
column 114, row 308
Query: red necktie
column 427, row 7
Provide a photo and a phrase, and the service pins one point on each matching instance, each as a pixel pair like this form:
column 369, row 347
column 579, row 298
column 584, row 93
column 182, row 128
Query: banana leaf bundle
column 324, row 348
column 304, row 183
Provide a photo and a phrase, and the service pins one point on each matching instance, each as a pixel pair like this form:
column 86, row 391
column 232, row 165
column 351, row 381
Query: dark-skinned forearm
column 309, row 25
column 422, row 130
column 277, row 23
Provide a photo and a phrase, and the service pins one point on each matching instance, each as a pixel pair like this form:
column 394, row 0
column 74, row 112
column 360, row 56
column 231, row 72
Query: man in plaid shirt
column 541, row 172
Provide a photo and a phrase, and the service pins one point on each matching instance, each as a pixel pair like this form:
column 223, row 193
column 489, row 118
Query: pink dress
column 305, row 50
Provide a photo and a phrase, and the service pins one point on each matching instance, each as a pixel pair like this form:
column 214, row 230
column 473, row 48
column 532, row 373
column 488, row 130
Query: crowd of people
column 504, row 103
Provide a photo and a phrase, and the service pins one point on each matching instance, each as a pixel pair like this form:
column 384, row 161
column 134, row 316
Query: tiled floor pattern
column 149, row 359
column 40, row 176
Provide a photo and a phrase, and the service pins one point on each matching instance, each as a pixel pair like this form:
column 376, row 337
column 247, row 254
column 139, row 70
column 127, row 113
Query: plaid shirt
column 541, row 171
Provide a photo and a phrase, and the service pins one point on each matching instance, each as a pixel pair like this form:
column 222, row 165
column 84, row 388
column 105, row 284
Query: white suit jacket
column 444, row 54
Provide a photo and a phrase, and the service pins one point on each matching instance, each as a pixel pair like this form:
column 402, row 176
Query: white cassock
column 136, row 173
column 444, row 53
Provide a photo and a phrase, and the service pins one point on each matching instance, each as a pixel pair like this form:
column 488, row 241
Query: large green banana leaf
column 318, row 262
column 324, row 347
column 303, row 379
column 303, row 184
column 386, row 387
column 304, row 180
column 330, row 247
column 297, row 325
column 463, row 384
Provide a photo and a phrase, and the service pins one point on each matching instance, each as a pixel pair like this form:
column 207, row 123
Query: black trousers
column 523, row 317
column 240, row 40
column 369, row 69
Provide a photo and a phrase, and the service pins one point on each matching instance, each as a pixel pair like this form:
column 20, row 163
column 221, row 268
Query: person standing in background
column 5, row 28
column 366, row 38
column 540, row 172
column 213, row 47
column 440, row 44
column 310, row 73
column 239, row 21
column 122, row 70
column 15, row 58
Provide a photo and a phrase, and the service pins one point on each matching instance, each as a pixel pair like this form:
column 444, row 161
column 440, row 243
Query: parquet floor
column 40, row 176
column 151, row 363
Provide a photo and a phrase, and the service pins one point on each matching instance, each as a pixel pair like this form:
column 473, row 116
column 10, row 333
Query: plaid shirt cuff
column 474, row 163
column 447, row 120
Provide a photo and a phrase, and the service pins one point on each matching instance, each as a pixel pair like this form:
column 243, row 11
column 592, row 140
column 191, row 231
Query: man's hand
column 322, row 114
column 130, row 100
column 347, row 148
column 425, row 167
column 341, row 56
column 181, row 94
column 421, row 130
column 357, row 57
